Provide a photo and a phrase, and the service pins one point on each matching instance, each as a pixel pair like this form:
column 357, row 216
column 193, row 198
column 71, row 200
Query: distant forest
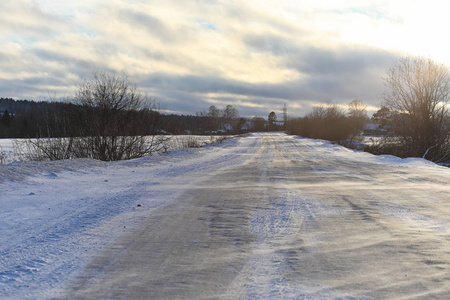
column 23, row 118
column 30, row 119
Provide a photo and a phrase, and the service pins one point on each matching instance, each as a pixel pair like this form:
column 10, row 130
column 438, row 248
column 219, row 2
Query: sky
column 256, row 55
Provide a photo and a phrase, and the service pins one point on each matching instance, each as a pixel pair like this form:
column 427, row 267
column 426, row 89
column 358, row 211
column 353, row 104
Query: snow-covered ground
column 55, row 216
column 15, row 149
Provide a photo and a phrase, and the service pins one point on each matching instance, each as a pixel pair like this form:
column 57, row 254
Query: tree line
column 108, row 118
column 24, row 118
column 31, row 119
column 414, row 114
column 331, row 122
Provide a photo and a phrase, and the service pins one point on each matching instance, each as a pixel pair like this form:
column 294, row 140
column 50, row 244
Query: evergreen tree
column 272, row 118
column 6, row 118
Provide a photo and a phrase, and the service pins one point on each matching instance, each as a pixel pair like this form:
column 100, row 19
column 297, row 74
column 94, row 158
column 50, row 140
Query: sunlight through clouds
column 267, row 51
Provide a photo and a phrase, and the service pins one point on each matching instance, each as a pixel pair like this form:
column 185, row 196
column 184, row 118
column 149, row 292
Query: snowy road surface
column 268, row 216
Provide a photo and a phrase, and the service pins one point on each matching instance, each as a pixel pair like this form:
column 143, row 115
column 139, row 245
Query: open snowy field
column 263, row 216
column 9, row 151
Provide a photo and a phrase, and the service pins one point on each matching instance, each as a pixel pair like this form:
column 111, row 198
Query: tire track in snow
column 278, row 229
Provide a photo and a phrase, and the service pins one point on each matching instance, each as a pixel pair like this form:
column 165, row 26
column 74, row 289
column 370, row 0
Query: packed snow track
column 266, row 216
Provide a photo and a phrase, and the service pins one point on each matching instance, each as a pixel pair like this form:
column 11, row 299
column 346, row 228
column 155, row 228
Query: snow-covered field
column 13, row 149
column 56, row 216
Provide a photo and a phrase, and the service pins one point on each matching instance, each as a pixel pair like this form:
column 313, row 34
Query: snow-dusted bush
column 41, row 149
column 108, row 119
column 193, row 141
column 2, row 155
column 44, row 149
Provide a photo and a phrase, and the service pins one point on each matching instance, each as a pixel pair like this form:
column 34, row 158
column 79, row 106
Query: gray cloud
column 321, row 60
column 329, row 75
column 220, row 52
column 25, row 20
column 149, row 23
column 313, row 60
column 207, row 84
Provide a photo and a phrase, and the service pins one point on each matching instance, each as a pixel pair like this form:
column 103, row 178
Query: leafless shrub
column 195, row 141
column 41, row 149
column 219, row 139
column 109, row 120
column 2, row 156
column 326, row 122
column 189, row 141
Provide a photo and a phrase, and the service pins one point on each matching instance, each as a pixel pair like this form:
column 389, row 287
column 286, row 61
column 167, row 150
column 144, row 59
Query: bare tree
column 109, row 120
column 116, row 118
column 418, row 93
column 230, row 120
column 230, row 112
column 214, row 112
column 213, row 115
column 357, row 113
column 217, row 119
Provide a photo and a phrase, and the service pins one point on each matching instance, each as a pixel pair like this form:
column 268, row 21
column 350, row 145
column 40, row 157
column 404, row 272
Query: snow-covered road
column 264, row 216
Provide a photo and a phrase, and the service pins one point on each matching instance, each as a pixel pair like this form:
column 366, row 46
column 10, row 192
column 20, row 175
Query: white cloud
column 182, row 51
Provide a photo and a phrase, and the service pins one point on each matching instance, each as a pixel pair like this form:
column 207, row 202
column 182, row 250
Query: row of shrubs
column 329, row 122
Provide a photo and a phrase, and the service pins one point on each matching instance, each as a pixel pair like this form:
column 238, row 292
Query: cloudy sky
column 253, row 54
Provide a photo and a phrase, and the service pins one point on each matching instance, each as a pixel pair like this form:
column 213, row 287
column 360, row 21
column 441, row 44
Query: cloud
column 24, row 18
column 335, row 72
column 152, row 25
column 255, row 55
column 341, row 75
